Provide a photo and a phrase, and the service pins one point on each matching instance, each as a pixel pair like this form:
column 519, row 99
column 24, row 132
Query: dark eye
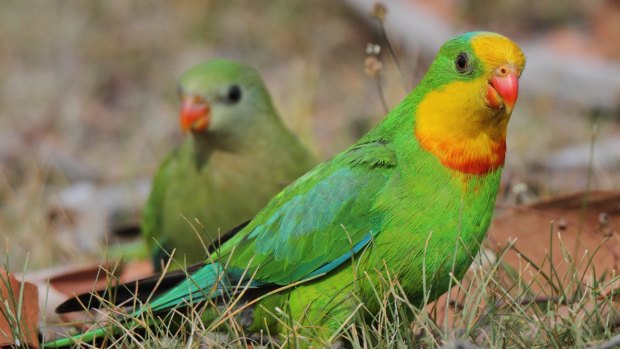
column 234, row 94
column 462, row 62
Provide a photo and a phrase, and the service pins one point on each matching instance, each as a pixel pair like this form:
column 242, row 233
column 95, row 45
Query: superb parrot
column 237, row 155
column 412, row 198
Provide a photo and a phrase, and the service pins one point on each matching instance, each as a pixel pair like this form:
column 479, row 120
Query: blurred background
column 88, row 102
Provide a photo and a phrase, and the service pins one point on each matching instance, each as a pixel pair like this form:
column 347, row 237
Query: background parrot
column 413, row 197
column 237, row 155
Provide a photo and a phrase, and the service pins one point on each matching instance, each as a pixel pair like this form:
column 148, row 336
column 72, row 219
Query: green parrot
column 237, row 155
column 412, row 198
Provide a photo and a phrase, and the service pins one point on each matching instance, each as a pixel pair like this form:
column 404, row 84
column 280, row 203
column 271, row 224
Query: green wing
column 319, row 221
column 310, row 228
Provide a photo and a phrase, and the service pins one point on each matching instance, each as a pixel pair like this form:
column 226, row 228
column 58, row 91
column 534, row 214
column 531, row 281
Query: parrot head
column 468, row 95
column 222, row 98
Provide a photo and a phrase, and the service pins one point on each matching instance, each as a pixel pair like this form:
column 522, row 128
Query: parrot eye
column 462, row 62
column 234, row 94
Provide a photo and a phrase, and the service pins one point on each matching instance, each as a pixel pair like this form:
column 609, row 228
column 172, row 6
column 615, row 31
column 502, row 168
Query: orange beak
column 195, row 114
column 503, row 88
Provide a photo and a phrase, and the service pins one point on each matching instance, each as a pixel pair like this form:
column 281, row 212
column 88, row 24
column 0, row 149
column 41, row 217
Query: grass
column 494, row 306
column 11, row 310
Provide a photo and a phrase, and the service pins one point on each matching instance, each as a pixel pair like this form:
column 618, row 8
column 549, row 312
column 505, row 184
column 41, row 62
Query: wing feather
column 317, row 223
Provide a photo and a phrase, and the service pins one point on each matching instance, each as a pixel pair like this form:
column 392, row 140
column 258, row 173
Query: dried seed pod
column 372, row 66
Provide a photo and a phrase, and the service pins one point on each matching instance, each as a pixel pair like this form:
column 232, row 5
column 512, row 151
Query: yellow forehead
column 494, row 49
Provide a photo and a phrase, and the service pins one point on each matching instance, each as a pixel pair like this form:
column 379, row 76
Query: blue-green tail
column 206, row 283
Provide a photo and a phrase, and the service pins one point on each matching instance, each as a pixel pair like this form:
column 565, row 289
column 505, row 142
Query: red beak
column 503, row 89
column 195, row 114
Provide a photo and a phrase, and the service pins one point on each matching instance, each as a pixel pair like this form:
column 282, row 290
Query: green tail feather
column 198, row 287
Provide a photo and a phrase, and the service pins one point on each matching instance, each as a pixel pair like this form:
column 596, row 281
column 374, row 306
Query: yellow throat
column 456, row 124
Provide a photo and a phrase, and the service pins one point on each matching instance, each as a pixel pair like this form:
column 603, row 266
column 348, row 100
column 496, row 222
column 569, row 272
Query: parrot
column 237, row 154
column 413, row 198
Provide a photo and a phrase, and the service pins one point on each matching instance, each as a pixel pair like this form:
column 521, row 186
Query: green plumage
column 220, row 178
column 385, row 203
